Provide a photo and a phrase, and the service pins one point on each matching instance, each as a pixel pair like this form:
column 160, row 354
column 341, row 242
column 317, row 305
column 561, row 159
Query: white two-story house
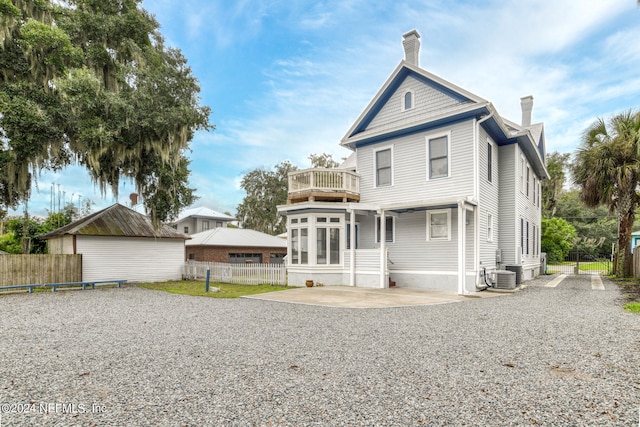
column 439, row 192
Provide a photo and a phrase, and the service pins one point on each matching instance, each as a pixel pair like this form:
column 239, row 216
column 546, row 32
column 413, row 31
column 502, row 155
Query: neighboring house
column 439, row 189
column 236, row 245
column 120, row 243
column 635, row 239
column 196, row 220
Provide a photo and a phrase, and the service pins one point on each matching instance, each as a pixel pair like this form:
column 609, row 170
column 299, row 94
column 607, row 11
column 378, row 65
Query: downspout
column 476, row 189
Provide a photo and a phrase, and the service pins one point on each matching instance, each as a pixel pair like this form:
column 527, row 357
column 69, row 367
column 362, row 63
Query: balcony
column 327, row 185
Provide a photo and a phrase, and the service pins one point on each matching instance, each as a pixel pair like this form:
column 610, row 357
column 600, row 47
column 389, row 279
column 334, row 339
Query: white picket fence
column 242, row 274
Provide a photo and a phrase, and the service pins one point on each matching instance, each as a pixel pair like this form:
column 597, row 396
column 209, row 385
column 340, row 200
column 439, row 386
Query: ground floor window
column 349, row 236
column 439, row 225
column 388, row 229
column 245, row 258
column 299, row 246
column 276, row 258
column 327, row 240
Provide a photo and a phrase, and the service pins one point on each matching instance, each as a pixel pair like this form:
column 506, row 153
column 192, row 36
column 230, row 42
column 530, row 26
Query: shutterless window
column 383, row 167
column 205, row 225
column 528, row 178
column 408, row 101
column 489, row 161
column 489, row 228
column 438, row 158
column 299, row 246
column 388, row 229
column 438, row 225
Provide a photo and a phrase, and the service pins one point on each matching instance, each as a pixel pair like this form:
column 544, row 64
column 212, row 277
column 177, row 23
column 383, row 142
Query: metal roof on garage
column 117, row 221
column 239, row 237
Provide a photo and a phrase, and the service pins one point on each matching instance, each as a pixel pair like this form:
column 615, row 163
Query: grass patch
column 633, row 307
column 630, row 288
column 197, row 288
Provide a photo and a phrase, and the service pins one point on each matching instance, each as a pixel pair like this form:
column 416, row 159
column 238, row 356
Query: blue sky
column 288, row 78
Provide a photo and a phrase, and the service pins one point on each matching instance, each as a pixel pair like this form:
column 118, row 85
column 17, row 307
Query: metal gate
column 583, row 263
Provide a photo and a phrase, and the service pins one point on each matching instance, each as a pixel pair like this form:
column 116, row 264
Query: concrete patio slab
column 349, row 297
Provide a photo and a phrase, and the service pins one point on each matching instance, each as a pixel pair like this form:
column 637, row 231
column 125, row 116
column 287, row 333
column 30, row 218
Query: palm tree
column 607, row 170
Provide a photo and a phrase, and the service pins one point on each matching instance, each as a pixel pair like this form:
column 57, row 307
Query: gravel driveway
column 113, row 357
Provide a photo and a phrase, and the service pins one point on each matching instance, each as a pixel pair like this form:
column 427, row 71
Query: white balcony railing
column 324, row 180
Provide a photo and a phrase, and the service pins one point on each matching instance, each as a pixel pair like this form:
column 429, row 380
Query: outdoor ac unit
column 518, row 270
column 505, row 279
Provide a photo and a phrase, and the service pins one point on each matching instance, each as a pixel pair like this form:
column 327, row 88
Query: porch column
column 462, row 274
column 352, row 249
column 383, row 248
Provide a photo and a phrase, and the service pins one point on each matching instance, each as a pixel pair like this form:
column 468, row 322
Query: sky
column 286, row 79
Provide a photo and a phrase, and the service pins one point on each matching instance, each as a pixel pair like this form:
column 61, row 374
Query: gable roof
column 240, row 237
column 116, row 221
column 453, row 104
column 203, row 212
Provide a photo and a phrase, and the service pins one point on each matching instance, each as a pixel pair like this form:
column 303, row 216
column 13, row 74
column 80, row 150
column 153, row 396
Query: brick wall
column 221, row 253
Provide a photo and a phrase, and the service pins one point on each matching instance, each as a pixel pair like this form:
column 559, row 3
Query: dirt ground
column 630, row 289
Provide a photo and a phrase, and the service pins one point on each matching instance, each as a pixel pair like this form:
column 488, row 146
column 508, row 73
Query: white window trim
column 375, row 166
column 523, row 164
column 493, row 160
column 489, row 227
column 439, row 239
column 413, row 100
column 435, row 136
column 393, row 229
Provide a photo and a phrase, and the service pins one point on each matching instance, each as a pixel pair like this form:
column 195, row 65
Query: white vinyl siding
column 410, row 182
column 136, row 259
column 427, row 102
column 508, row 224
column 417, row 253
column 489, row 214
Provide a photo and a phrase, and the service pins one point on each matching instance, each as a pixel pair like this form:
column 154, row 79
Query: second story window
column 383, row 167
column 205, row 225
column 438, row 153
column 489, row 161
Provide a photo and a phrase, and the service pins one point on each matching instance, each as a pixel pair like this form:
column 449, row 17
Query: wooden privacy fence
column 242, row 274
column 39, row 269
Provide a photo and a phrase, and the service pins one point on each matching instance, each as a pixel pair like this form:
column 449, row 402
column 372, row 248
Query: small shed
column 236, row 245
column 120, row 243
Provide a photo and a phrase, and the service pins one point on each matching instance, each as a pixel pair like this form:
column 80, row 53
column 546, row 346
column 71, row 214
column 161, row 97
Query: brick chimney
column 411, row 44
column 527, row 105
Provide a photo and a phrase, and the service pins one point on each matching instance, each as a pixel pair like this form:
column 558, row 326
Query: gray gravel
column 563, row 356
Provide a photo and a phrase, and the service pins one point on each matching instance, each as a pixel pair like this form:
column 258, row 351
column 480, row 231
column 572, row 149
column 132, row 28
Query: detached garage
column 120, row 243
